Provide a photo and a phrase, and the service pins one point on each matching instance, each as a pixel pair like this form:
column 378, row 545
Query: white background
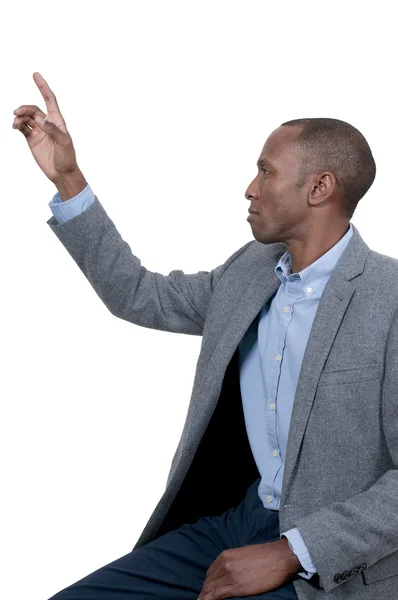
column 169, row 105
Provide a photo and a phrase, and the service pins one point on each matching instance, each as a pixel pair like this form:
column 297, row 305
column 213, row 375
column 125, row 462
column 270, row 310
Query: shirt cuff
column 64, row 211
column 301, row 551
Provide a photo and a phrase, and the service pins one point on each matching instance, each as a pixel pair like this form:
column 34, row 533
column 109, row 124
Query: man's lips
column 253, row 214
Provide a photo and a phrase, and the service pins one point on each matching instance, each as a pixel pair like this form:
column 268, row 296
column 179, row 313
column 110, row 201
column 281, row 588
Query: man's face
column 282, row 209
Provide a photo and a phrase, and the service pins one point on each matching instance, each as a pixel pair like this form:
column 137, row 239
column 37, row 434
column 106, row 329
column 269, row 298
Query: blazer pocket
column 351, row 375
column 384, row 568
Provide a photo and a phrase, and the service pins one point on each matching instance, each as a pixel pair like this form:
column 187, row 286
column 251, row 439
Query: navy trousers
column 173, row 566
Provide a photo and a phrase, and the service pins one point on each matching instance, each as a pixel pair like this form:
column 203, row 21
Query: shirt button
column 272, row 406
column 275, row 452
column 309, row 290
column 278, row 357
column 269, row 498
column 286, row 309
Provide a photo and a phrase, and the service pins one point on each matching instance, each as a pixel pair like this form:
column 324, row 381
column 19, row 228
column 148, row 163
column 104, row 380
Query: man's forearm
column 71, row 185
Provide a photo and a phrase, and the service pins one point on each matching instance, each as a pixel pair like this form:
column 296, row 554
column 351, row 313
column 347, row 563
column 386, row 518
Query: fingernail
column 40, row 120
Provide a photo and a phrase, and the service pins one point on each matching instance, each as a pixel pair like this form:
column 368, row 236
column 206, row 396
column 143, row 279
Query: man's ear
column 322, row 186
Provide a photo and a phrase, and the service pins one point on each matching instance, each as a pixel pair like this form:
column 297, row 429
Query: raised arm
column 176, row 302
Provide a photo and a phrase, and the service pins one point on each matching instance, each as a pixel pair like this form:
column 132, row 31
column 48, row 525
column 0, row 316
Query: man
column 284, row 483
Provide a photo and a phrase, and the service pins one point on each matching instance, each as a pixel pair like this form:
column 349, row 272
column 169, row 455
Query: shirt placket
column 290, row 293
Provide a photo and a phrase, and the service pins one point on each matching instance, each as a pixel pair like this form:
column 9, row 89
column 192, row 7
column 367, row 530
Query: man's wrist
column 70, row 185
column 292, row 562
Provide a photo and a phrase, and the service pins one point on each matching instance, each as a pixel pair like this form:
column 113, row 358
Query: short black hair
column 336, row 146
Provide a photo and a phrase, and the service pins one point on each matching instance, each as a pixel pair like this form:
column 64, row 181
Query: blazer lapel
column 263, row 285
column 333, row 304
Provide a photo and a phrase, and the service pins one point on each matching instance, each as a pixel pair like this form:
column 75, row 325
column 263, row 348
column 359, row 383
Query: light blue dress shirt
column 270, row 357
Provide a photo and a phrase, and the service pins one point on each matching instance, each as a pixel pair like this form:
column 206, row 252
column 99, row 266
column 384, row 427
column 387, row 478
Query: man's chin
column 257, row 232
column 262, row 237
column 259, row 237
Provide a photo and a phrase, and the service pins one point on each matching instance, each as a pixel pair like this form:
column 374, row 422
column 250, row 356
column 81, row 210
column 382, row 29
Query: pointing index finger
column 48, row 95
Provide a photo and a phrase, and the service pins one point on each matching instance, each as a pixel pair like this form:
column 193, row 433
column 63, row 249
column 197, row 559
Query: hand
column 250, row 570
column 50, row 144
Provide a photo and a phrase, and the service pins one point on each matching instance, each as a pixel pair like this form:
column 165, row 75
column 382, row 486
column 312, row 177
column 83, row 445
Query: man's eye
column 264, row 169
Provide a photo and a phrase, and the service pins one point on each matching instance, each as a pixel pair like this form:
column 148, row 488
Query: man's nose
column 252, row 191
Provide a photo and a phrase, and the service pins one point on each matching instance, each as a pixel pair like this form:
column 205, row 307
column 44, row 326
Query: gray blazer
column 340, row 485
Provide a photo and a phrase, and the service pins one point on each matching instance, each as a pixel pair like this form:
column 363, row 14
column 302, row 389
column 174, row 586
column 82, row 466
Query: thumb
column 50, row 128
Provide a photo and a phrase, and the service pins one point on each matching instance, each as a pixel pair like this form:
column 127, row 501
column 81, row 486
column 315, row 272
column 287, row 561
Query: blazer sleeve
column 357, row 533
column 177, row 302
